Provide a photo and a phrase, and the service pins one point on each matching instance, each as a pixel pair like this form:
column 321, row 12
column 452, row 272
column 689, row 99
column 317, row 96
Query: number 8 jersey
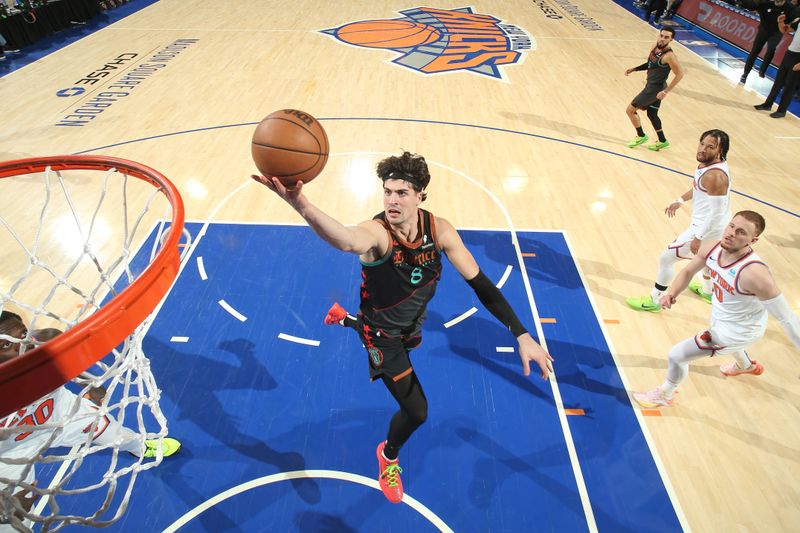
column 396, row 289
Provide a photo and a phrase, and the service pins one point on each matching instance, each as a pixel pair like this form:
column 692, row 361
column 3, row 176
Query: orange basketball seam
column 320, row 157
column 283, row 148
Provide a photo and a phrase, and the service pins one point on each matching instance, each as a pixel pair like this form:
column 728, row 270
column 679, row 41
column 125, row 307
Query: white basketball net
column 63, row 449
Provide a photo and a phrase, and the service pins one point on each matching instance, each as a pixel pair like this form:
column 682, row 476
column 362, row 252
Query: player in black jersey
column 400, row 251
column 660, row 62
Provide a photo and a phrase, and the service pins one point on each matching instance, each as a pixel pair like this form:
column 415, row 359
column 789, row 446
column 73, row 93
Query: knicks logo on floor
column 435, row 41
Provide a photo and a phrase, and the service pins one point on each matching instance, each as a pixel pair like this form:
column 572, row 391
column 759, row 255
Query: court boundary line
column 583, row 492
column 637, row 413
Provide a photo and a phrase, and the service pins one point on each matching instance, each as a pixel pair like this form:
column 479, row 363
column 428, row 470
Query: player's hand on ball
column 530, row 350
column 292, row 195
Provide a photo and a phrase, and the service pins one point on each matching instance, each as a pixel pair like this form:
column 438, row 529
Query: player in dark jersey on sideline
column 401, row 256
column 659, row 63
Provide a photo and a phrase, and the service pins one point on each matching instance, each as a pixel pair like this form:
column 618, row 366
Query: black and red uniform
column 657, row 74
column 395, row 291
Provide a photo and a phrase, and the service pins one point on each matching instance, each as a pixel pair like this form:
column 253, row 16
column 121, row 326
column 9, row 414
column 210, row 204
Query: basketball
column 290, row 145
column 388, row 33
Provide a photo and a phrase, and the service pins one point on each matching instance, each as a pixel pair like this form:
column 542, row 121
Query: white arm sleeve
column 779, row 308
column 717, row 205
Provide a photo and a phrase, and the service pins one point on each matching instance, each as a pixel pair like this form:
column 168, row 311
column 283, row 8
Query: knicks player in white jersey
column 20, row 437
column 743, row 293
column 710, row 196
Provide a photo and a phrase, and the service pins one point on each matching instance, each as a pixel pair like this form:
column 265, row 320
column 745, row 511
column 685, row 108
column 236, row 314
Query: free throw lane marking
column 226, row 306
column 298, row 340
column 468, row 313
column 201, row 268
column 504, row 278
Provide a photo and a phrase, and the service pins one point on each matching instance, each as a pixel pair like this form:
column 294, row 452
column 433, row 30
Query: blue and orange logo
column 435, row 41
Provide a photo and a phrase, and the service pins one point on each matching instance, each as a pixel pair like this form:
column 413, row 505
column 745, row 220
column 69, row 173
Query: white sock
column 668, row 388
column 707, row 285
column 655, row 294
column 743, row 361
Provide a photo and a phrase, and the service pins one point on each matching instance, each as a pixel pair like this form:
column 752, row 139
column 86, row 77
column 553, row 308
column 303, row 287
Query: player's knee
column 418, row 415
column 668, row 258
column 676, row 355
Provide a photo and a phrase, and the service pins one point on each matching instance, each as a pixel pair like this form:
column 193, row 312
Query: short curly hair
column 409, row 167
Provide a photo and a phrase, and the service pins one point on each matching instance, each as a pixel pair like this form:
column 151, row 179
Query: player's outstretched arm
column 643, row 66
column 358, row 239
column 491, row 297
column 683, row 278
column 757, row 279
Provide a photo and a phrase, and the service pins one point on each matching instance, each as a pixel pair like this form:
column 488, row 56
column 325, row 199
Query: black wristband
column 491, row 297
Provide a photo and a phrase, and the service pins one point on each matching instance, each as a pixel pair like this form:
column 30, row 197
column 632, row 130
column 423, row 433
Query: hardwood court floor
column 546, row 145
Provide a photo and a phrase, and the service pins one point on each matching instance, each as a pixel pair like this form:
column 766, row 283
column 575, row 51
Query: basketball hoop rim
column 27, row 378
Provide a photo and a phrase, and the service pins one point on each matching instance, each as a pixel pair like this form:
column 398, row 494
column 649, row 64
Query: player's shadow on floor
column 484, row 482
column 322, row 523
column 570, row 362
column 708, row 97
column 193, row 383
column 792, row 242
column 756, row 438
column 549, row 265
column 562, row 129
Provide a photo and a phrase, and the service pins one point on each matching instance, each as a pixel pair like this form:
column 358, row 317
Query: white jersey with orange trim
column 701, row 209
column 736, row 316
column 24, row 440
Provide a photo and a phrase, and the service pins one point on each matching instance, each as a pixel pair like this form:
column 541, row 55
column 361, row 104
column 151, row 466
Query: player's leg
column 659, row 6
column 680, row 356
column 789, row 84
column 655, row 120
column 679, row 249
column 758, row 44
column 703, row 286
column 108, row 431
column 741, row 364
column 407, row 392
column 633, row 116
column 413, row 412
column 778, row 84
column 772, row 45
